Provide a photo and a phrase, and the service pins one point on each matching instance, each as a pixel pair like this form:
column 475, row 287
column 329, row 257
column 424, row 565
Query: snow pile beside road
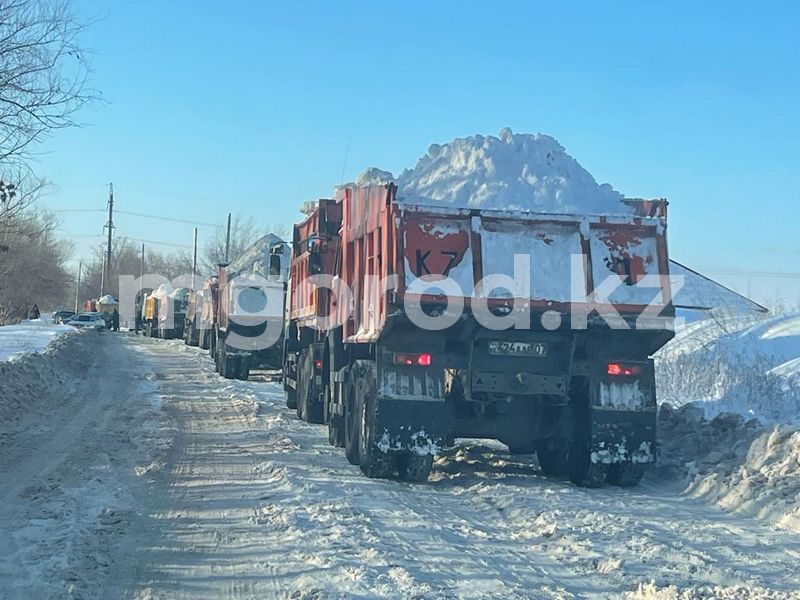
column 735, row 366
column 30, row 378
column 766, row 484
column 734, row 463
column 29, row 336
column 521, row 172
column 81, row 436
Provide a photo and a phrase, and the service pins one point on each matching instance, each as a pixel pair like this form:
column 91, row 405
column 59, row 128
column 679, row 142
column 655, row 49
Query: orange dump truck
column 409, row 326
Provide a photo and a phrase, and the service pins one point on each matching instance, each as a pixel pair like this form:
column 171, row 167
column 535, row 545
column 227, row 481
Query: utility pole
column 141, row 268
column 228, row 239
column 78, row 285
column 194, row 258
column 102, row 277
column 110, row 227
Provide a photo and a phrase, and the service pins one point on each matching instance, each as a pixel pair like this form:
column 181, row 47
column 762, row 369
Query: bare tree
column 42, row 74
column 19, row 189
column 126, row 260
column 33, row 268
column 42, row 86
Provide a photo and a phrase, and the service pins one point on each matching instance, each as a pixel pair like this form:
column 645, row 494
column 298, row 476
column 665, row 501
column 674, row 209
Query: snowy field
column 29, row 336
column 157, row 479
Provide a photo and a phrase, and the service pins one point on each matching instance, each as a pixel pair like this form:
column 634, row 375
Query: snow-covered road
column 233, row 497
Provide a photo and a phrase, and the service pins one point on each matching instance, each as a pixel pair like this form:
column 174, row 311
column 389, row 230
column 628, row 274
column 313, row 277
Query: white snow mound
column 521, row 172
column 29, row 337
column 735, row 365
column 374, row 176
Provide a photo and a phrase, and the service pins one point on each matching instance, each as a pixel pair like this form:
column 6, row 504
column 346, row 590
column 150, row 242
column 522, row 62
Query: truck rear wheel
column 582, row 471
column 351, row 420
column 521, row 449
column 416, row 467
column 374, row 462
column 228, row 364
column 334, row 421
column 290, row 396
column 204, row 339
column 302, row 387
column 625, row 474
column 308, row 405
column 243, row 372
column 553, row 461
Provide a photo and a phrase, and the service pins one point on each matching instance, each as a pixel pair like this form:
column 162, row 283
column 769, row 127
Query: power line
column 741, row 273
column 137, row 214
column 124, row 237
column 160, row 218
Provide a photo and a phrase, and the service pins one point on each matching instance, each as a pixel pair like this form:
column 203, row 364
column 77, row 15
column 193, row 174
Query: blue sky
column 254, row 107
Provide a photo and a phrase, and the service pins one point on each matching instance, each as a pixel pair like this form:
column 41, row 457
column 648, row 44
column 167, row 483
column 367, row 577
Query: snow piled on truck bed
column 525, row 172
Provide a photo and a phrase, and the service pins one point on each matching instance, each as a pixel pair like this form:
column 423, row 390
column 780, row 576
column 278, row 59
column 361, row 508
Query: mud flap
column 418, row 426
column 619, row 436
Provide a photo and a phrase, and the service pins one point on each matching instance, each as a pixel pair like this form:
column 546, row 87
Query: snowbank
column 524, row 172
column 734, row 463
column 29, row 336
column 31, row 377
column 737, row 364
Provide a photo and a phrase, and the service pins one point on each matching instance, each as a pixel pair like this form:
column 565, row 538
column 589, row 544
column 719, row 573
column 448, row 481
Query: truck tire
column 302, row 385
column 374, row 462
column 217, row 357
column 204, row 339
column 351, row 421
column 582, row 471
column 290, row 395
column 243, row 372
column 192, row 335
column 625, row 474
column 332, row 364
column 309, row 408
column 552, row 461
column 230, row 365
column 227, row 363
column 521, row 449
column 334, row 421
column 416, row 467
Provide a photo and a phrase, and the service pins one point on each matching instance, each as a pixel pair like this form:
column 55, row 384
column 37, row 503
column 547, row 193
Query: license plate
column 535, row 349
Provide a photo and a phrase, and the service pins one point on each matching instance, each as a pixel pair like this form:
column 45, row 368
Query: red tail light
column 623, row 370
column 420, row 360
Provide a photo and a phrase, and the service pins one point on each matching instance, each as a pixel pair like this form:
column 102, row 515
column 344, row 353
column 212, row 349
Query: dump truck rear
column 410, row 326
column 248, row 301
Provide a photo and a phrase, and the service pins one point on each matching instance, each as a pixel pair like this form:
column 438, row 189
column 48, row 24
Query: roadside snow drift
column 735, row 365
column 524, row 172
column 29, row 336
column 735, row 438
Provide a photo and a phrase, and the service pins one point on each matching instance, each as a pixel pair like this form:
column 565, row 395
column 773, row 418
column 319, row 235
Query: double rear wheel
column 364, row 444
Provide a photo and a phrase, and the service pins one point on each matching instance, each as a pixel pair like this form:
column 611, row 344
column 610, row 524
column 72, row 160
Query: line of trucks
column 402, row 327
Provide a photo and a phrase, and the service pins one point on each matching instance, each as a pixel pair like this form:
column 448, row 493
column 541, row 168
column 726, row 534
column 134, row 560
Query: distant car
column 90, row 320
column 62, row 316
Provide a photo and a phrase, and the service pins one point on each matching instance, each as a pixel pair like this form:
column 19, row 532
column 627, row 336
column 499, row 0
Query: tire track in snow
column 260, row 506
